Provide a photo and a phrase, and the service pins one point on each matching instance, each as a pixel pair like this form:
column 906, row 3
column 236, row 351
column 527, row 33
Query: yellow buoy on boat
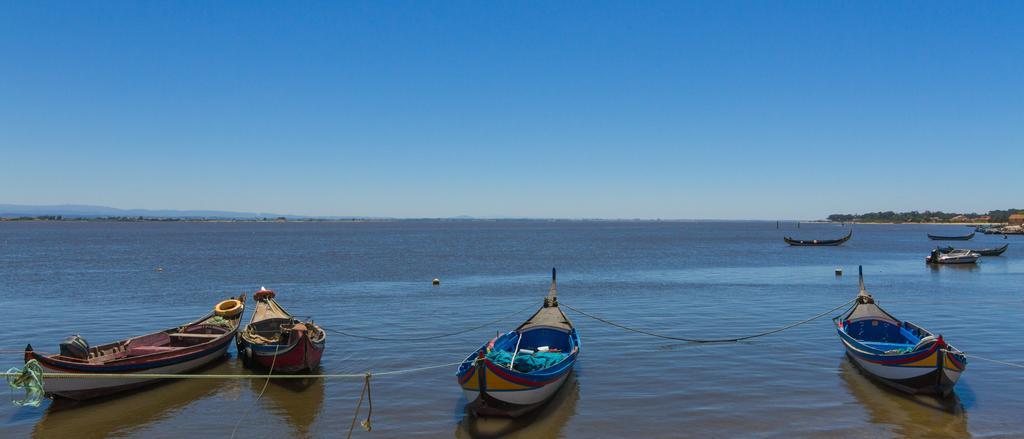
column 228, row 308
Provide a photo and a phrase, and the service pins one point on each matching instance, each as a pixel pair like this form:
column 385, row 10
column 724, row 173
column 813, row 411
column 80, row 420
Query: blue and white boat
column 898, row 353
column 519, row 371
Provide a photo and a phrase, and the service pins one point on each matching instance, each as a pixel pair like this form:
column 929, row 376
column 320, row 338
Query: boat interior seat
column 148, row 344
column 887, row 347
column 146, row 350
column 190, row 335
column 554, row 339
column 97, row 355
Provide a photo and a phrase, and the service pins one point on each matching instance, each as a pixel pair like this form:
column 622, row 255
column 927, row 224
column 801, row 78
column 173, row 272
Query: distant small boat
column 950, row 238
column 818, row 242
column 519, row 371
column 953, row 257
column 275, row 339
column 983, row 251
column 900, row 354
column 177, row 350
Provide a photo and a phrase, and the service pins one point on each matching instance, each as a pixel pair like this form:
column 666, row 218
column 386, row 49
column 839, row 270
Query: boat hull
column 300, row 356
column 953, row 260
column 950, row 238
column 982, row 251
column 929, row 372
column 817, row 242
column 493, row 390
column 91, row 387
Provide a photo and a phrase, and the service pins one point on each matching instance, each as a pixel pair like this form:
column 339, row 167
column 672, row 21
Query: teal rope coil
column 29, row 379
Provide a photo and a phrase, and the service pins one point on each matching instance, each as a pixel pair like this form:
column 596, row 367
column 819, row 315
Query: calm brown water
column 712, row 279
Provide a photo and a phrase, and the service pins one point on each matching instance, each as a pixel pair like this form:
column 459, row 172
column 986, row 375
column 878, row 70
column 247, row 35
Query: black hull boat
column 950, row 238
column 982, row 251
column 817, row 242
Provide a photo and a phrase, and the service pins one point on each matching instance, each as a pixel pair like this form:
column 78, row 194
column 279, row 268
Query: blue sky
column 525, row 109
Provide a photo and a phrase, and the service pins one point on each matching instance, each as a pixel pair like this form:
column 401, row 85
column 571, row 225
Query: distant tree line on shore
column 993, row 216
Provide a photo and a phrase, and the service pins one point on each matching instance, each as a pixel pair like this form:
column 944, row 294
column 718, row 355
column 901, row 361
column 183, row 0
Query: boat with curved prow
column 898, row 353
column 817, row 242
column 520, row 370
column 276, row 339
column 950, row 238
column 175, row 350
column 981, row 251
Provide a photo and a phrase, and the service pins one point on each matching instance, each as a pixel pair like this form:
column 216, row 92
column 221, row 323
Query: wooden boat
column 950, row 238
column 276, row 339
column 818, row 242
column 900, row 354
column 175, row 350
column 952, row 257
column 519, row 371
column 982, row 251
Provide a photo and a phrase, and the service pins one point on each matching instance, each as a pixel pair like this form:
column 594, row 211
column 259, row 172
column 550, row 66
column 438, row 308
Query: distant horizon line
column 99, row 211
column 84, row 211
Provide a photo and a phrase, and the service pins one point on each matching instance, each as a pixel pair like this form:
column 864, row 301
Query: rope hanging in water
column 429, row 337
column 29, row 378
column 270, row 373
column 709, row 340
column 365, row 392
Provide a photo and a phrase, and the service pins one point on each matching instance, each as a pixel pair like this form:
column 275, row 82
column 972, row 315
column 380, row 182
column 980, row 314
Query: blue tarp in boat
column 526, row 362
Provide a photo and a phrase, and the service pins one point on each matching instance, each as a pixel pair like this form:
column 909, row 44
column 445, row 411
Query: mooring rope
column 29, row 378
column 1005, row 363
column 708, row 340
column 270, row 372
column 15, row 372
column 429, row 337
column 365, row 392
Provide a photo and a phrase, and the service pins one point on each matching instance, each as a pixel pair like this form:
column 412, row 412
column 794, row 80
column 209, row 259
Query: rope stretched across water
column 161, row 376
column 429, row 337
column 30, row 379
column 709, row 340
column 1005, row 363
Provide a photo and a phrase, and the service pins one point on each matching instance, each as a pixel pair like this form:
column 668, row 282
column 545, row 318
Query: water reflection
column 546, row 421
column 909, row 415
column 298, row 400
column 124, row 412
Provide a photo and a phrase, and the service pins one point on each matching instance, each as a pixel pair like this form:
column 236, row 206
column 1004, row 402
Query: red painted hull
column 303, row 355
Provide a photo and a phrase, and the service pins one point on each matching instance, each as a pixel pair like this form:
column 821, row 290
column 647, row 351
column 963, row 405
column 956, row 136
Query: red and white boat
column 277, row 340
column 176, row 350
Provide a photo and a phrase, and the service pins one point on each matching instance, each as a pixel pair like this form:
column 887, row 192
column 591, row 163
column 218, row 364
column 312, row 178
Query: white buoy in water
column 839, row 272
column 159, row 269
column 436, row 281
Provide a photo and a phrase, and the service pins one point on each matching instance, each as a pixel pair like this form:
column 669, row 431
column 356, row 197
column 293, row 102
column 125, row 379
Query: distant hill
column 87, row 211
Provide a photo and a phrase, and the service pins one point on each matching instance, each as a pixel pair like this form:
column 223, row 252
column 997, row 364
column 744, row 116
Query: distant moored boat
column 953, row 257
column 981, row 251
column 950, row 238
column 818, row 242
